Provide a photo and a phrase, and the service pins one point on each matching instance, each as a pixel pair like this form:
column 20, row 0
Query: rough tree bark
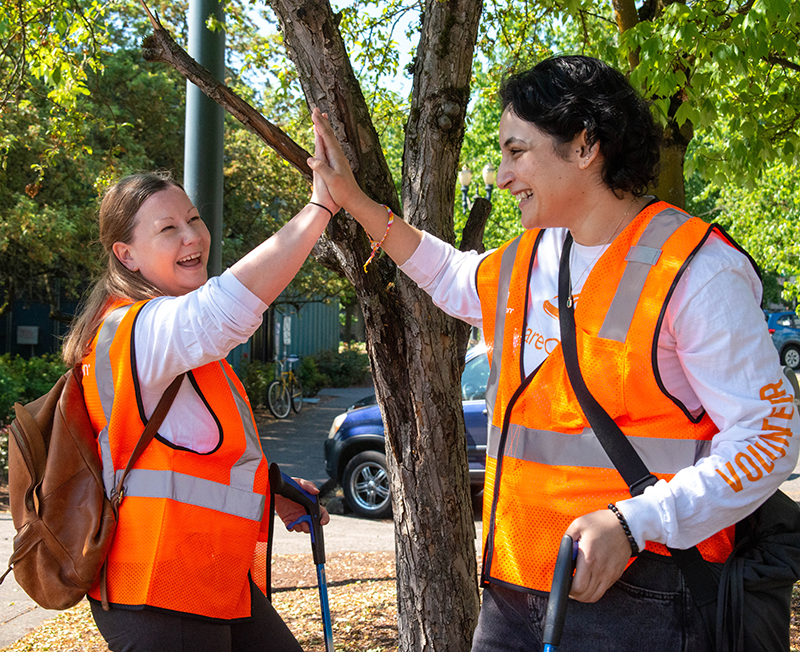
column 671, row 186
column 416, row 351
column 414, row 348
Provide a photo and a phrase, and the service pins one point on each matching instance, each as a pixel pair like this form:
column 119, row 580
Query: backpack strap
column 150, row 431
column 696, row 571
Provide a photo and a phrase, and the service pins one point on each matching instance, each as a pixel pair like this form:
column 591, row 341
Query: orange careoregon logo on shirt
column 550, row 307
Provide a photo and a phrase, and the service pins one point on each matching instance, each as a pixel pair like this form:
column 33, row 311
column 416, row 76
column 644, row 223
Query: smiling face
column 170, row 243
column 546, row 184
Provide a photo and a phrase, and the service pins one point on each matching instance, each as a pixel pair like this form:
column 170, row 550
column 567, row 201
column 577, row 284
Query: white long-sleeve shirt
column 177, row 334
column 714, row 353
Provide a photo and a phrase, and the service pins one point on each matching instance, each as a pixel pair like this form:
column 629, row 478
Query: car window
column 474, row 378
column 791, row 321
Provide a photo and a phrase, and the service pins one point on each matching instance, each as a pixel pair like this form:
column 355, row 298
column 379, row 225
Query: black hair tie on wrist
column 626, row 528
column 321, row 206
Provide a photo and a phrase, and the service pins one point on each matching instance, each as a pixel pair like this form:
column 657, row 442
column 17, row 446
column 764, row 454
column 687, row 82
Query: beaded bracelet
column 377, row 245
column 626, row 528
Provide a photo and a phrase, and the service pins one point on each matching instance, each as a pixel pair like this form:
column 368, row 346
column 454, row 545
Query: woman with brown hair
column 181, row 570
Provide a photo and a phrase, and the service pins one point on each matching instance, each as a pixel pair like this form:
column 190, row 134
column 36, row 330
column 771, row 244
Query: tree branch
column 160, row 46
column 472, row 235
column 783, row 63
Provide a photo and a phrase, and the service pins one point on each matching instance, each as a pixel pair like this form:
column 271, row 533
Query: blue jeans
column 649, row 608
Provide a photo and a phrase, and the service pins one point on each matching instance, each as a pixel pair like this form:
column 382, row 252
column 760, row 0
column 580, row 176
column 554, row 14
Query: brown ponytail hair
column 118, row 212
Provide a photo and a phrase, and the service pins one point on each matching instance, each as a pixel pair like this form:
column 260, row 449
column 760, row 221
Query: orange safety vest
column 188, row 522
column 545, row 467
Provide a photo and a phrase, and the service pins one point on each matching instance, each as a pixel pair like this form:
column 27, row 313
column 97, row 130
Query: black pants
column 141, row 630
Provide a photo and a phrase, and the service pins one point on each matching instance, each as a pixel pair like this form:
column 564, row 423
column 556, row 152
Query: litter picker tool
column 282, row 485
column 557, row 602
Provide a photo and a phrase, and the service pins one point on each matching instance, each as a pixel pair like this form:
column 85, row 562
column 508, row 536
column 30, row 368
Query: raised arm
column 330, row 164
column 269, row 268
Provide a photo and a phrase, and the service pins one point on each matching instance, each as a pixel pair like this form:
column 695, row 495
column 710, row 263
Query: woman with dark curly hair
column 670, row 341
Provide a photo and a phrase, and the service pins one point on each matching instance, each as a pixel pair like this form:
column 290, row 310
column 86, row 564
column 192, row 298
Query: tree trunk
column 414, row 348
column 671, row 185
column 416, row 351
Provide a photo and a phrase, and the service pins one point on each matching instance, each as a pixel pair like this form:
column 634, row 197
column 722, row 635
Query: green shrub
column 23, row 381
column 311, row 379
column 323, row 369
column 255, row 376
column 342, row 368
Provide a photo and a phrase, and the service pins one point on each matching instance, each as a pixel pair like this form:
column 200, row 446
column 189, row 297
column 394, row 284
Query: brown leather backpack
column 65, row 522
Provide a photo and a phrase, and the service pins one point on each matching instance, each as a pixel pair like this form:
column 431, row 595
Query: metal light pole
column 204, row 147
column 465, row 178
column 489, row 179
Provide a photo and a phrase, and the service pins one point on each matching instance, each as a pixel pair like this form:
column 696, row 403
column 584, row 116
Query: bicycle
column 285, row 393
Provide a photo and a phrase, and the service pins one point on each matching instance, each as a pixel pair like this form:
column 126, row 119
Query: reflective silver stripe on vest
column 559, row 449
column 188, row 489
column 503, row 288
column 104, row 376
column 640, row 258
column 243, row 473
column 108, row 463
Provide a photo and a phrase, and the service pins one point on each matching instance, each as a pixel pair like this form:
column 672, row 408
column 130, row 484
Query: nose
column 504, row 176
column 191, row 232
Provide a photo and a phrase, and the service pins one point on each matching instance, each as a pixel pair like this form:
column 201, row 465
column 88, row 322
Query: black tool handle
column 562, row 581
column 282, row 485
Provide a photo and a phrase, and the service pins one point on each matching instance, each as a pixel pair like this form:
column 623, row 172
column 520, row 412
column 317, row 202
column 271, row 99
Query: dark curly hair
column 564, row 95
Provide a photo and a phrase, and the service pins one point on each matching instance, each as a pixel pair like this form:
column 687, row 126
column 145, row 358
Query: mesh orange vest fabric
column 539, row 475
column 189, row 522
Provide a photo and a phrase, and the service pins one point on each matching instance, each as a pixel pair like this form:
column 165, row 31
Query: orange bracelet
column 377, row 245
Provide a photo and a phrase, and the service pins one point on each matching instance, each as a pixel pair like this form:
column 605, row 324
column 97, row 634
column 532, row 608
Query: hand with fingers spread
column 603, row 554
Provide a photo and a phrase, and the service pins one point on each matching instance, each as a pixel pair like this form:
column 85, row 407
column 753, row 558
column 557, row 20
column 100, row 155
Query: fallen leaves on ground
column 361, row 595
column 362, row 598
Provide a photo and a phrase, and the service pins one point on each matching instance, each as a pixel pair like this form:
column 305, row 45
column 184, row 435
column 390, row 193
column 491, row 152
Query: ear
column 124, row 255
column 586, row 153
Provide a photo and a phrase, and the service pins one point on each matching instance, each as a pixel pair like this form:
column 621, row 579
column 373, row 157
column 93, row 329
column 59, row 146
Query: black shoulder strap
column 696, row 571
column 618, row 448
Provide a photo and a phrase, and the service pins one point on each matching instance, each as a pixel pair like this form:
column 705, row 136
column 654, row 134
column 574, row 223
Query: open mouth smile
column 190, row 261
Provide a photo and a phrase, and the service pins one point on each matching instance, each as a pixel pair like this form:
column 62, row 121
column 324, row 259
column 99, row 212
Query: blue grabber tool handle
column 557, row 602
column 282, row 485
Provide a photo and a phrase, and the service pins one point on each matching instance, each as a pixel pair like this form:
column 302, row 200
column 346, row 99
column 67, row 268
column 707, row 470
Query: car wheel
column 366, row 485
column 791, row 356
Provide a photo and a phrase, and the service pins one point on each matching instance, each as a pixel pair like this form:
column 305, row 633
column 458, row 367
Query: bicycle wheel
column 297, row 395
column 278, row 399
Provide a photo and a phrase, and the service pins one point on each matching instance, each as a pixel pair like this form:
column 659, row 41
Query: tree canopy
column 70, row 125
column 721, row 76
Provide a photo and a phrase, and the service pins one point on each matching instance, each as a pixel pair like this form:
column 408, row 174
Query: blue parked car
column 784, row 327
column 355, row 450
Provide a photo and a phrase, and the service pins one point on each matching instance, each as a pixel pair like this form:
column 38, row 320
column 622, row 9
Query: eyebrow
column 511, row 140
column 170, row 216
